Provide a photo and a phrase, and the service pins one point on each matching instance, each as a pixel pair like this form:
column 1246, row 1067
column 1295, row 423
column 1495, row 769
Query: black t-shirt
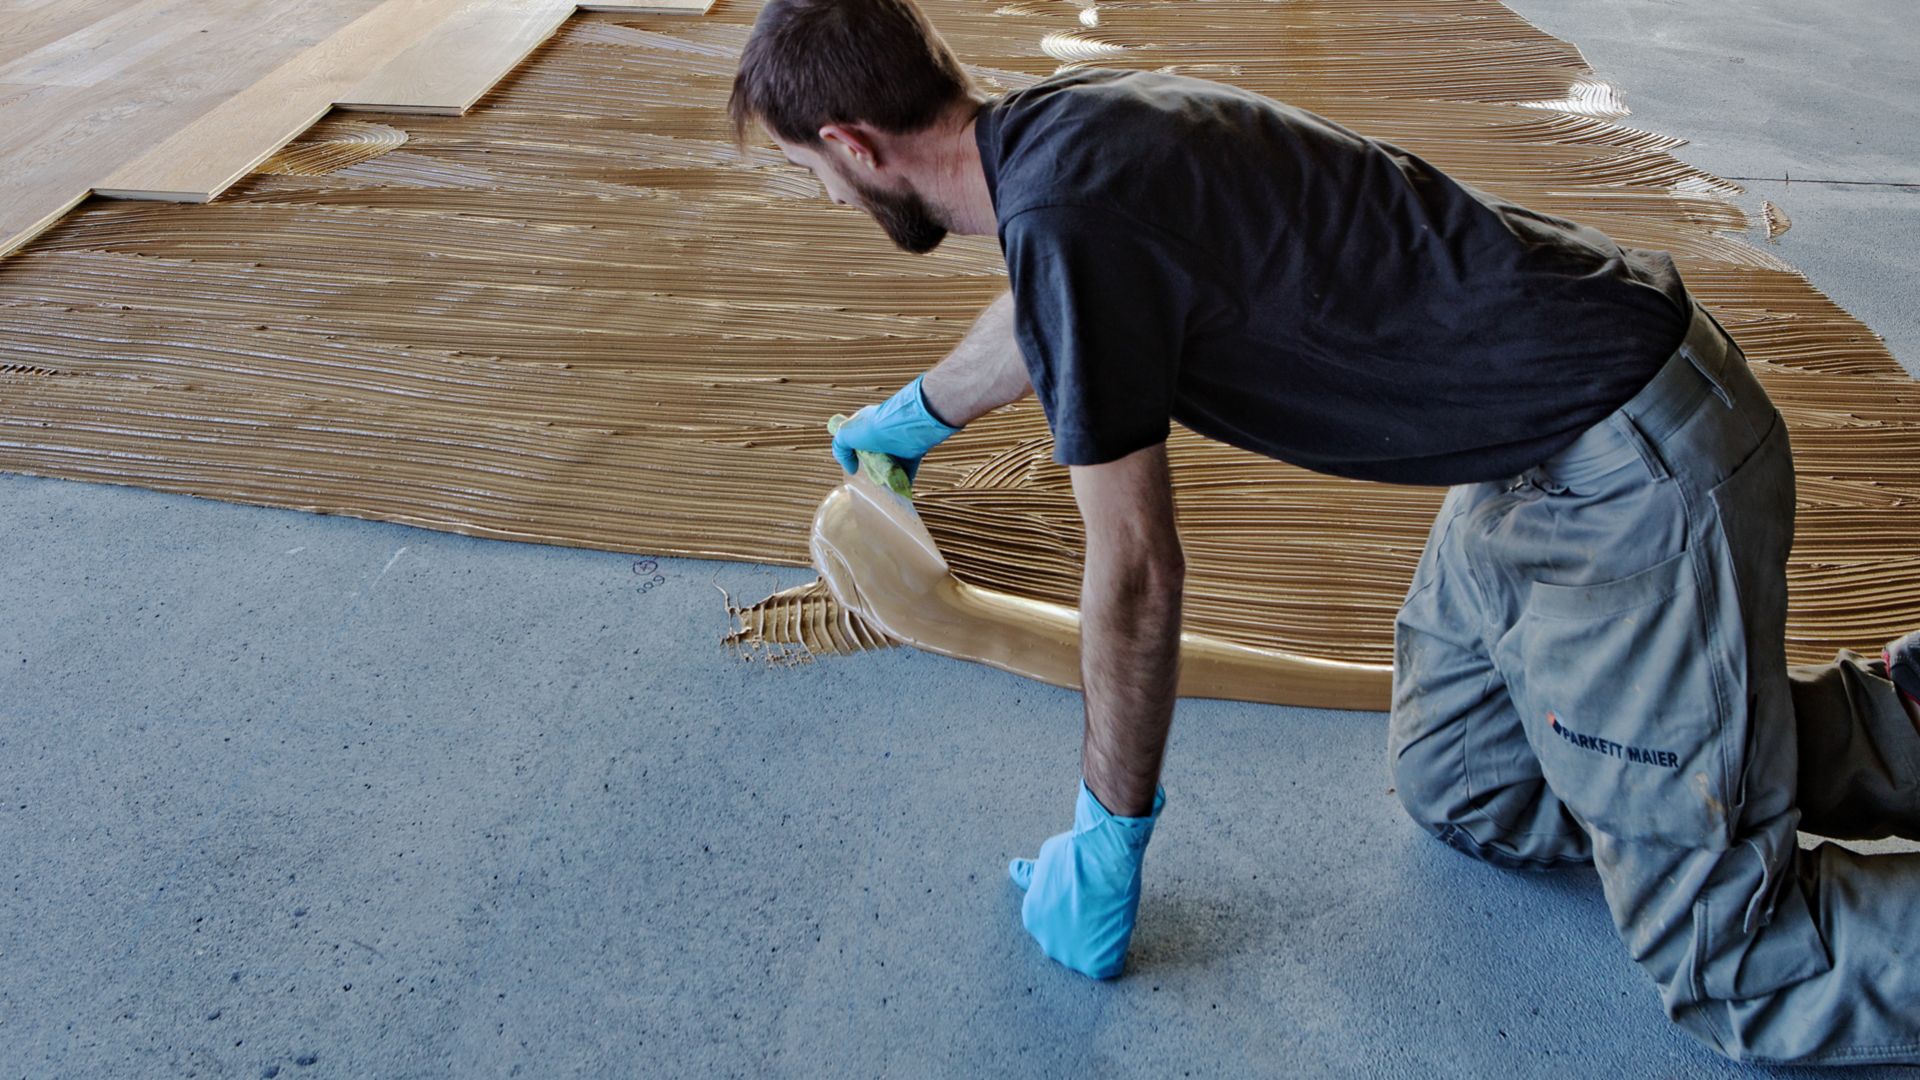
column 1181, row 249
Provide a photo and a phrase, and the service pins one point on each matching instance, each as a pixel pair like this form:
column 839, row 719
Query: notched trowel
column 879, row 560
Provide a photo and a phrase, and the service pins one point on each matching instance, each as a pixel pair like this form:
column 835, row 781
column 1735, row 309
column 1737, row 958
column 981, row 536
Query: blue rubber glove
column 1084, row 890
column 900, row 427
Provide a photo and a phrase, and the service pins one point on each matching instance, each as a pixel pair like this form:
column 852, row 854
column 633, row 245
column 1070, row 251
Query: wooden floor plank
column 453, row 65
column 650, row 7
column 113, row 41
column 12, row 93
column 34, row 212
column 473, row 50
column 47, row 158
column 105, row 93
column 177, row 99
column 31, row 24
column 203, row 159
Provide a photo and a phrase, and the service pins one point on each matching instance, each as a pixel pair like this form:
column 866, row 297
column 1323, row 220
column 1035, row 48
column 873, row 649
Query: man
column 1589, row 665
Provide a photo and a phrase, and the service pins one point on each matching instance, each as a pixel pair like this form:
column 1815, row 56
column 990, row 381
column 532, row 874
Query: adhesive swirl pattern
column 577, row 316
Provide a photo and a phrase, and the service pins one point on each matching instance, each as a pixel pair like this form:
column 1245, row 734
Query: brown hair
column 809, row 63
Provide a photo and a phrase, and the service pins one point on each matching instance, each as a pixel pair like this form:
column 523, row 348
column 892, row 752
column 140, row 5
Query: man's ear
column 855, row 142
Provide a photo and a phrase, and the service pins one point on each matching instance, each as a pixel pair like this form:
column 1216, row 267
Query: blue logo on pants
column 1634, row 755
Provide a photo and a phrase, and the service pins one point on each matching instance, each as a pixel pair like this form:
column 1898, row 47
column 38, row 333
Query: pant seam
column 1706, row 583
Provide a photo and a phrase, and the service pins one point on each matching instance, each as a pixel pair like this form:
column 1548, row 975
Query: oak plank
column 112, row 41
column 178, row 99
column 86, row 91
column 455, row 64
column 203, row 159
column 13, row 93
column 35, row 211
column 650, row 7
column 27, row 25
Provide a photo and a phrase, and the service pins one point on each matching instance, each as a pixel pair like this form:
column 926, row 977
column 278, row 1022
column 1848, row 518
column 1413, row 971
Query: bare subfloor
column 301, row 796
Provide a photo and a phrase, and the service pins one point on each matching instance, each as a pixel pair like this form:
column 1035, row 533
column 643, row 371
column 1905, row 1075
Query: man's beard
column 904, row 216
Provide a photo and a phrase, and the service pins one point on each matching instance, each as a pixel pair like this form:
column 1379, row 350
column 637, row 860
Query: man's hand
column 1084, row 889
column 900, row 427
column 981, row 374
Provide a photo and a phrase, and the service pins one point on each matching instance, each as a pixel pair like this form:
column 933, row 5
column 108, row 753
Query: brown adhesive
column 1776, row 220
column 799, row 623
column 332, row 145
column 576, row 316
column 877, row 557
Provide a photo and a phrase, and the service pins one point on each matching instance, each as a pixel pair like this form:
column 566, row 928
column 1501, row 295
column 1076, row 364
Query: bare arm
column 1129, row 625
column 982, row 373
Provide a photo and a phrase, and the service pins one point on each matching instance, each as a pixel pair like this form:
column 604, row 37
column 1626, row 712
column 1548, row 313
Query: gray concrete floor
column 297, row 796
column 1814, row 106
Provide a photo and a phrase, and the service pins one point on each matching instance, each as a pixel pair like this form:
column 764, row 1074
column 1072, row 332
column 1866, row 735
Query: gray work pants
column 1590, row 666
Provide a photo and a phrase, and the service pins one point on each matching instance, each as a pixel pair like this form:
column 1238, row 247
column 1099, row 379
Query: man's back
column 1183, row 249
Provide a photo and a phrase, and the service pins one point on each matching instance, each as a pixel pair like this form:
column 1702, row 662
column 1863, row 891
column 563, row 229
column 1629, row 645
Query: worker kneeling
column 1589, row 665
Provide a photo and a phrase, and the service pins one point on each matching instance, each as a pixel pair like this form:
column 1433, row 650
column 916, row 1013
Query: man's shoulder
column 1093, row 87
column 1092, row 137
column 1096, row 108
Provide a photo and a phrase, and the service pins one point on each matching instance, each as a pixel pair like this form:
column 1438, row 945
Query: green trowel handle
column 882, row 469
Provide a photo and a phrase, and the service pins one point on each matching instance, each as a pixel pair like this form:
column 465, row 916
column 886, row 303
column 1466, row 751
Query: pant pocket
column 1622, row 703
column 1753, row 931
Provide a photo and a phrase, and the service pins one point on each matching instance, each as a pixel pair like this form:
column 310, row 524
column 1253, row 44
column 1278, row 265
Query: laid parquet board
column 651, row 7
column 86, row 87
column 204, row 158
column 420, row 56
column 29, row 25
column 176, row 99
column 450, row 67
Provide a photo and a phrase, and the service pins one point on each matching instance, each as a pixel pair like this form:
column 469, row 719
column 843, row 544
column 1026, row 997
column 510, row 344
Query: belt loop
column 1631, row 432
column 1704, row 326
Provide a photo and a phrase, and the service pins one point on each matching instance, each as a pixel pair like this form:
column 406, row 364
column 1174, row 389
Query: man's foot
column 1903, row 667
